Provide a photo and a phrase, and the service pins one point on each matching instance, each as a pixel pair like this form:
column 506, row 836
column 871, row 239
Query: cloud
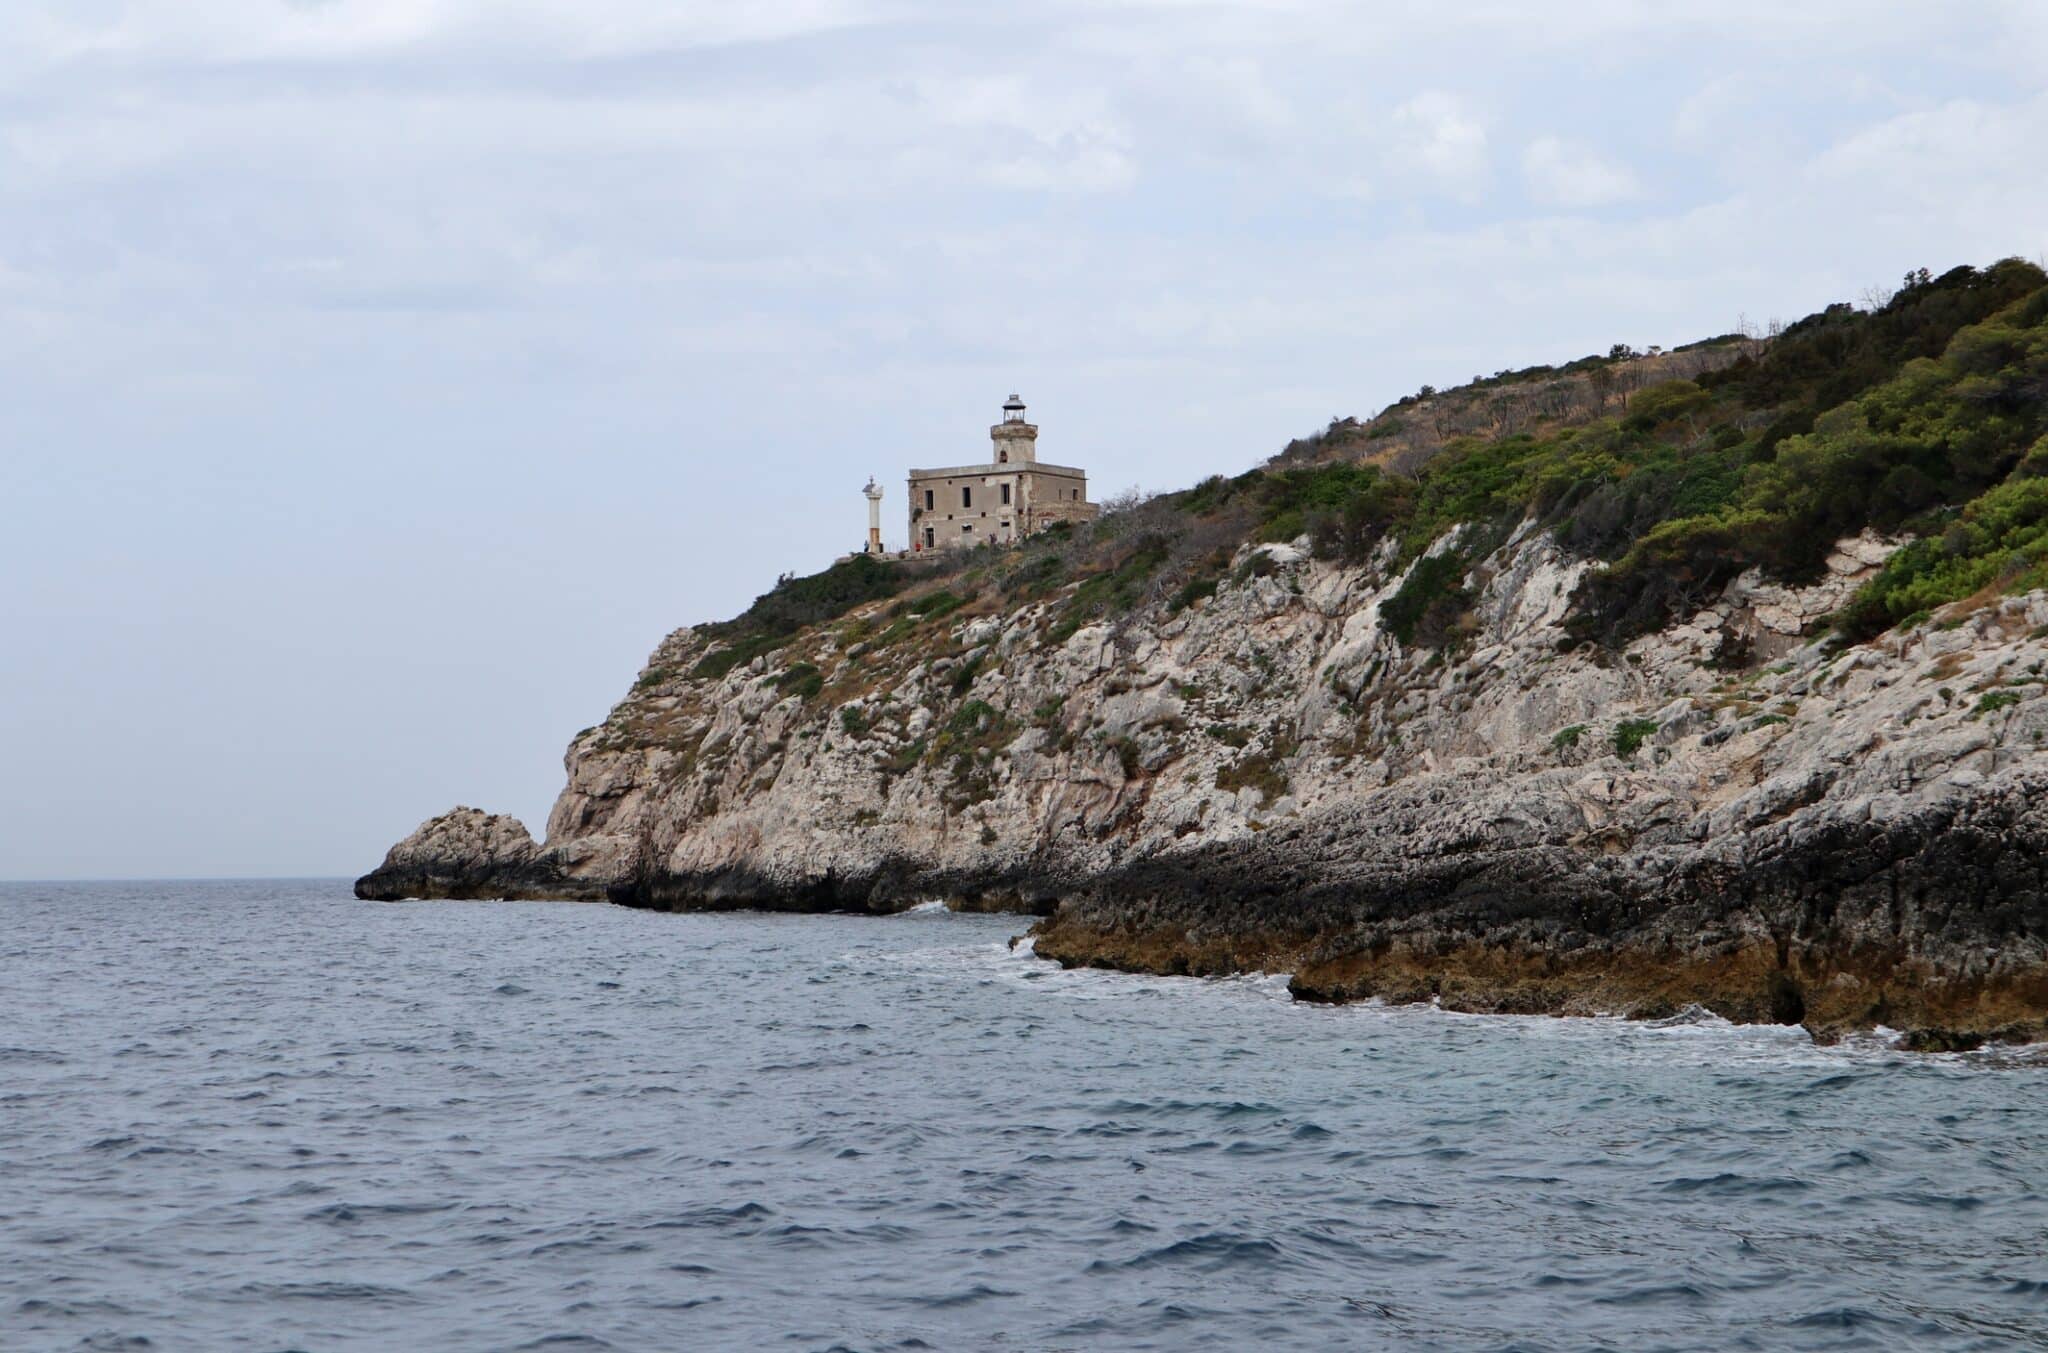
column 1438, row 137
column 462, row 286
column 1562, row 174
column 1042, row 140
column 1959, row 143
column 234, row 31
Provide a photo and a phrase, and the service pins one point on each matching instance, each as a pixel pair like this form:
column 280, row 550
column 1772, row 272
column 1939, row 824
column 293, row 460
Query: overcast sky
column 381, row 379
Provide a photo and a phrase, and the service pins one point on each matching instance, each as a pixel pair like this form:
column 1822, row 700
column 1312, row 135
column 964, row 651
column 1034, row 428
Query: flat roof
column 993, row 468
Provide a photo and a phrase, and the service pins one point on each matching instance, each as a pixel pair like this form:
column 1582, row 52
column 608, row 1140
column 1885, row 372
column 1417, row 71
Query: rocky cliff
column 1646, row 689
column 1267, row 778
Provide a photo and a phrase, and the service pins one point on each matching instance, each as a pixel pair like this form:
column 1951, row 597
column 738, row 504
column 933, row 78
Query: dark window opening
column 928, row 504
column 1006, row 495
column 966, row 497
column 931, row 537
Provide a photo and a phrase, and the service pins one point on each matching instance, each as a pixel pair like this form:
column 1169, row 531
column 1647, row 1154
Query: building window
column 928, row 503
column 966, row 528
column 931, row 537
column 1077, row 495
column 1003, row 457
column 1006, row 495
column 966, row 496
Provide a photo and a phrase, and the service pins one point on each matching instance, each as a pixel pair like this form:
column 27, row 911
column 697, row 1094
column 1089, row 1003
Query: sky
column 380, row 380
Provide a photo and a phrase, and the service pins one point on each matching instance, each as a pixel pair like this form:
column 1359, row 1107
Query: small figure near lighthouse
column 874, row 495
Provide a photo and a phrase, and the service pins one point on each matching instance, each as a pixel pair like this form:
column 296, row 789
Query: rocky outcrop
column 1727, row 813
column 468, row 853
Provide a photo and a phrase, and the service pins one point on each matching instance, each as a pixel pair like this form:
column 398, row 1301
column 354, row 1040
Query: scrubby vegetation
column 1432, row 602
column 804, row 681
column 1630, row 734
column 967, row 746
column 1994, row 701
column 1888, row 420
column 1257, row 771
column 1998, row 540
column 794, row 605
column 1927, row 415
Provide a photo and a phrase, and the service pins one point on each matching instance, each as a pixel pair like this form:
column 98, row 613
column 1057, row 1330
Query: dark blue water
column 266, row 1116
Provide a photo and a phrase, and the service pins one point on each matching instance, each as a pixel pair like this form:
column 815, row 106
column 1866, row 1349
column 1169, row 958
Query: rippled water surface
column 258, row 1116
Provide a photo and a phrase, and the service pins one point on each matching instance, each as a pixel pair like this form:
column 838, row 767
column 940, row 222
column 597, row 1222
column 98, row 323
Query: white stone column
column 874, row 496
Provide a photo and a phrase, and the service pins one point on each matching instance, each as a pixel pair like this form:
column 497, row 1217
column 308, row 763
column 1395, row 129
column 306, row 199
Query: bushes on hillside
column 1938, row 433
column 2000, row 539
column 1430, row 606
column 1929, row 415
column 796, row 603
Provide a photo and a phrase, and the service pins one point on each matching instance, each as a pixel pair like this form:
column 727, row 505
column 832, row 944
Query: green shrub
column 1257, row 564
column 799, row 602
column 966, row 746
column 1348, row 517
column 1194, row 590
column 1229, row 734
column 1430, row 603
column 1116, row 591
column 1259, row 771
column 738, row 653
column 1630, row 734
column 1037, row 573
column 1216, row 492
column 933, row 605
column 903, row 759
column 1994, row 701
column 803, row 681
column 2000, row 538
column 1127, row 754
column 1662, row 403
column 1568, row 738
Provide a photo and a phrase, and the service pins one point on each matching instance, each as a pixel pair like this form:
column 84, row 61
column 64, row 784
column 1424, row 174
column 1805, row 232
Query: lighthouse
column 874, row 496
column 999, row 501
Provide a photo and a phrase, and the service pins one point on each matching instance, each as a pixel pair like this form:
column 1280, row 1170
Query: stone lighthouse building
column 1011, row 496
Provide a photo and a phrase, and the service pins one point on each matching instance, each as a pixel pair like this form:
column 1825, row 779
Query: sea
column 267, row 1116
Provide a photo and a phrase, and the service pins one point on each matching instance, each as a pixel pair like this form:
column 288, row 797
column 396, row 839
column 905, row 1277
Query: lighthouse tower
column 1016, row 440
column 874, row 496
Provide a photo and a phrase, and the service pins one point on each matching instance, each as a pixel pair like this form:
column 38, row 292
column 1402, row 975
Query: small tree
column 1601, row 381
column 1125, row 500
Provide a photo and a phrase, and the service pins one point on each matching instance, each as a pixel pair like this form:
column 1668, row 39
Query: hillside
column 1704, row 677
